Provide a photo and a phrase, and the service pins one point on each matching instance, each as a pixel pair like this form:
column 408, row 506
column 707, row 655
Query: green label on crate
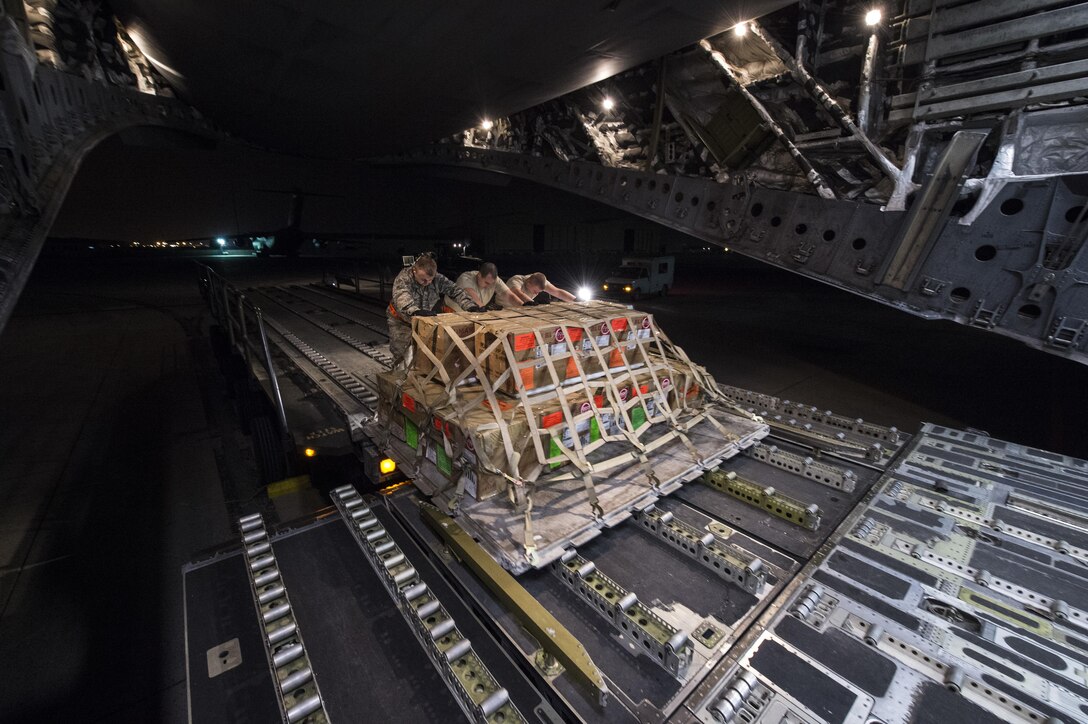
column 411, row 434
column 594, row 430
column 554, row 450
column 638, row 417
column 442, row 460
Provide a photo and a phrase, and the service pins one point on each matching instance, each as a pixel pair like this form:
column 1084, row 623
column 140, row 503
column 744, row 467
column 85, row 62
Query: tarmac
column 121, row 458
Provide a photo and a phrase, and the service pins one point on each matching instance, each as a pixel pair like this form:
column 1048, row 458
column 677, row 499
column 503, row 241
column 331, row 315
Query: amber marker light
column 387, row 466
column 309, row 452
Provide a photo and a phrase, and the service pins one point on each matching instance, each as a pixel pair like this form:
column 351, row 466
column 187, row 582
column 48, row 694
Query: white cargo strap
column 580, row 368
column 648, row 469
column 577, row 456
column 437, row 366
column 721, row 428
column 591, row 493
column 530, row 539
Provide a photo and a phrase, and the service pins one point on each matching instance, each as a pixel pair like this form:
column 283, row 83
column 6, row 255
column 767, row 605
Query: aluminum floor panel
column 665, row 578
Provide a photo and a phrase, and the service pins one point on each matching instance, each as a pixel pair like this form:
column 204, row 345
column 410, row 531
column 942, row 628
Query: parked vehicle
column 640, row 277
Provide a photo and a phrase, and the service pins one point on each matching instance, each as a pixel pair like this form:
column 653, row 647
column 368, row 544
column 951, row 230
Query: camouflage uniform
column 410, row 297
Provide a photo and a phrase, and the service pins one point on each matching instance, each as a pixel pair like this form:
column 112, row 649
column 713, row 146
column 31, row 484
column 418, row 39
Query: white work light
column 585, row 294
column 873, row 17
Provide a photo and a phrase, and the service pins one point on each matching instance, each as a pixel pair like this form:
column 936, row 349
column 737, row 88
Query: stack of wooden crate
column 499, row 400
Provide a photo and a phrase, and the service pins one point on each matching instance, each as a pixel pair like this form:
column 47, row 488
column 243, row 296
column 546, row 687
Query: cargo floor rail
column 474, row 687
column 299, row 697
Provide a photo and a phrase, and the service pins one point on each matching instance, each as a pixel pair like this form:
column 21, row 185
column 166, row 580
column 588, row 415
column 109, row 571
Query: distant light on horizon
column 873, row 17
column 221, row 241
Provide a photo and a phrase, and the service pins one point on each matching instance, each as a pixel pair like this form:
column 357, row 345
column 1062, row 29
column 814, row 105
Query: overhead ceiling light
column 608, row 104
column 486, row 124
column 873, row 17
column 740, row 29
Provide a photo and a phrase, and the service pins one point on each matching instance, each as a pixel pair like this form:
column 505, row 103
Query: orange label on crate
column 527, row 378
column 523, row 342
column 644, row 389
column 502, row 405
column 619, row 324
column 437, row 424
column 572, row 369
column 598, row 400
column 616, row 358
column 574, row 334
column 693, row 391
column 551, row 419
column 408, row 403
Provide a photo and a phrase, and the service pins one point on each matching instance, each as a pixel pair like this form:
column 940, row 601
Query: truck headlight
column 627, row 288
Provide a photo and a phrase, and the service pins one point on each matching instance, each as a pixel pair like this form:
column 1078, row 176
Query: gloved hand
column 475, row 308
column 493, row 306
column 424, row 313
column 544, row 298
column 528, row 304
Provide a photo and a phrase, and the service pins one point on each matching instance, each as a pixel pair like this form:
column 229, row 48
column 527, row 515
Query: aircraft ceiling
column 348, row 79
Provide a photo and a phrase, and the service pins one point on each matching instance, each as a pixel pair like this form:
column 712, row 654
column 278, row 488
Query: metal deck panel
column 218, row 608
column 834, row 503
column 959, row 617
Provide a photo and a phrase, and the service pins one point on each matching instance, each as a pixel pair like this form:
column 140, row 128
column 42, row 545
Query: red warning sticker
column 574, row 334
column 523, row 342
column 551, row 419
column 619, row 324
column 407, row 402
